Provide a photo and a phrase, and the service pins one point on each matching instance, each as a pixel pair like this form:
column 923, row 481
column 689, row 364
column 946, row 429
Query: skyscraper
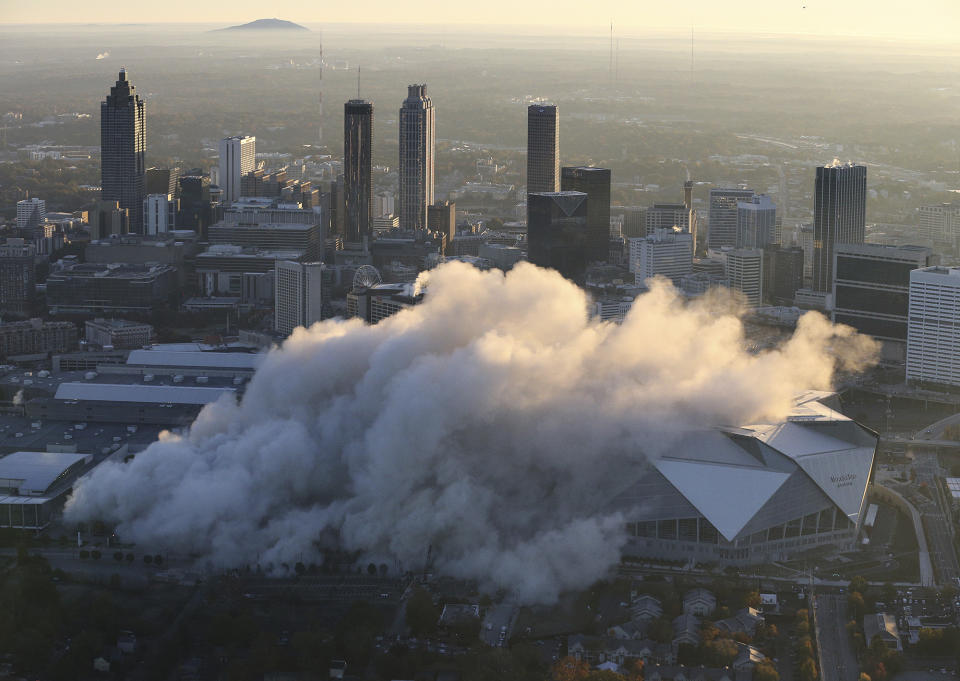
column 543, row 148
column 839, row 216
column 358, row 169
column 557, row 232
column 744, row 272
column 595, row 183
column 123, row 142
column 723, row 216
column 442, row 217
column 666, row 252
column 756, row 222
column 297, row 291
column 667, row 216
column 417, row 138
column 871, row 290
column 933, row 344
column 31, row 213
column 159, row 213
column 238, row 156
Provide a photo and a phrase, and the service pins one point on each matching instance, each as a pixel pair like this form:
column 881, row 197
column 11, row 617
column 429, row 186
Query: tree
column 422, row 614
column 129, row 557
column 95, row 554
column 635, row 670
column 569, row 669
column 604, row 675
column 158, row 559
column 372, row 569
column 864, row 677
column 765, row 671
column 856, row 604
column 299, row 568
column 118, row 556
column 147, row 559
column 859, row 584
column 720, row 652
column 808, row 670
column 752, row 599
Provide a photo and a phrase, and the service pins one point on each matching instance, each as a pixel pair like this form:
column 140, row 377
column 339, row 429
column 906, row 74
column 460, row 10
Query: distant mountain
column 267, row 25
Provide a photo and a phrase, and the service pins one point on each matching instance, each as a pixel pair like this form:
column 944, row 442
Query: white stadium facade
column 754, row 493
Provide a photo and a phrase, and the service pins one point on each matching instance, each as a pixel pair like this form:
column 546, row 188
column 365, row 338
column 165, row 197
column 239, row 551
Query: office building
column 933, row 344
column 298, row 299
column 109, row 219
column 159, row 214
column 744, row 272
column 17, row 276
column 376, row 303
column 35, row 336
column 871, row 291
column 94, row 288
column 238, row 156
column 787, row 276
column 667, row 216
column 442, row 219
column 595, row 183
column 123, row 144
column 119, row 334
column 162, row 181
column 557, row 232
column 358, row 170
column 839, row 216
column 723, row 216
column 31, row 213
column 940, row 223
column 665, row 253
column 634, row 222
column 543, row 148
column 756, row 222
column 197, row 209
column 417, row 141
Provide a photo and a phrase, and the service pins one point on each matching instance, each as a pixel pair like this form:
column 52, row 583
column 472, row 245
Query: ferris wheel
column 366, row 277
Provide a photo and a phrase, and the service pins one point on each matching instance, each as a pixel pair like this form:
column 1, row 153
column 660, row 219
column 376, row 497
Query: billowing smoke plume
column 493, row 422
column 103, row 55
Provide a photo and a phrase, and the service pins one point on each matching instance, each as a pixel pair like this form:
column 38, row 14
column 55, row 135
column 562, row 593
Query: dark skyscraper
column 557, row 232
column 358, row 170
column 839, row 216
column 595, row 183
column 417, row 139
column 543, row 148
column 123, row 141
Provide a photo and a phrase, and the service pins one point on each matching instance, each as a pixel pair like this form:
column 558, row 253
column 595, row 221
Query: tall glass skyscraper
column 358, row 170
column 557, row 232
column 417, row 139
column 595, row 183
column 123, row 142
column 543, row 148
column 839, row 216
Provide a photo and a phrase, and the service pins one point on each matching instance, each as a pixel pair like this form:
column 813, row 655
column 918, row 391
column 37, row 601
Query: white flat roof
column 202, row 360
column 38, row 470
column 151, row 394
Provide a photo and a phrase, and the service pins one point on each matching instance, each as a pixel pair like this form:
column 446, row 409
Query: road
column 936, row 518
column 837, row 659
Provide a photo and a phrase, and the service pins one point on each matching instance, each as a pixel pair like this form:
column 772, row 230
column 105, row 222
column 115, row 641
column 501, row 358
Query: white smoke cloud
column 103, row 55
column 18, row 397
column 492, row 422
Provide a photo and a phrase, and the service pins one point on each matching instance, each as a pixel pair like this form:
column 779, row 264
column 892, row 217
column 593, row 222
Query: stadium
column 754, row 493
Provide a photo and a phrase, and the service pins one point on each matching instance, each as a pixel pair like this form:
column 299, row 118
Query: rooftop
column 36, row 471
column 212, row 360
column 148, row 394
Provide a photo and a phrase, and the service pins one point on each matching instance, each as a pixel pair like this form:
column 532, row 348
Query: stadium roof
column 149, row 394
column 199, row 360
column 745, row 478
column 37, row 471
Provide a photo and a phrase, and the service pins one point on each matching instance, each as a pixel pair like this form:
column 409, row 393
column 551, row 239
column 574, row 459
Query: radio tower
column 611, row 51
column 320, row 97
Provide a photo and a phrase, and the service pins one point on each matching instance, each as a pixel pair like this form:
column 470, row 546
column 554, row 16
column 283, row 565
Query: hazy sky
column 932, row 19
